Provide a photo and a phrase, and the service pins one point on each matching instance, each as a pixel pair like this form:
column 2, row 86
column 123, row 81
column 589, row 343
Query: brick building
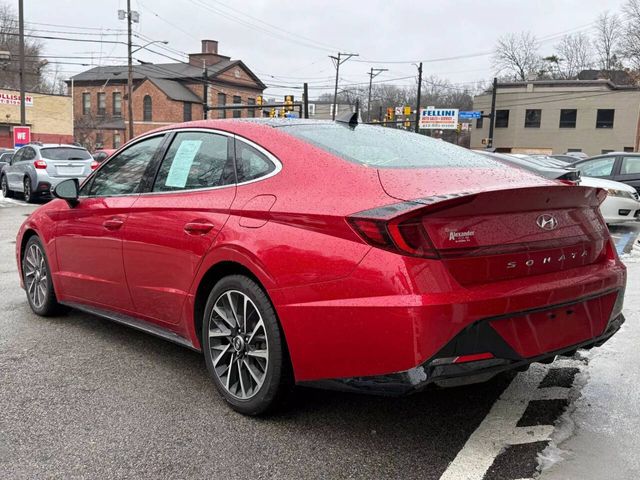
column 162, row 94
column 49, row 117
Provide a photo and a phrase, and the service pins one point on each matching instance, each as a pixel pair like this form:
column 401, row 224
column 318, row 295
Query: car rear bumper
column 394, row 314
column 444, row 371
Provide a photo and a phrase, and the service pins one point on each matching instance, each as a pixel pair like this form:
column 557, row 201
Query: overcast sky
column 308, row 31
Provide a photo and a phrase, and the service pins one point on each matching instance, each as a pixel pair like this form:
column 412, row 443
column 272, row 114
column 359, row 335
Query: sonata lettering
column 531, row 262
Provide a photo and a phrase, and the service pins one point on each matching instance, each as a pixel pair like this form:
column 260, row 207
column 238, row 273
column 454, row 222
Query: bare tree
column 631, row 38
column 573, row 55
column 609, row 30
column 517, row 55
column 9, row 41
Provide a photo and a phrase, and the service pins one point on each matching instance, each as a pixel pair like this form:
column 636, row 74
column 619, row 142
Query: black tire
column 49, row 305
column 28, row 192
column 4, row 184
column 277, row 376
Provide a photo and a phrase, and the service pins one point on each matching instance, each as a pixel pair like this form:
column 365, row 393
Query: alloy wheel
column 27, row 190
column 5, row 187
column 36, row 276
column 238, row 344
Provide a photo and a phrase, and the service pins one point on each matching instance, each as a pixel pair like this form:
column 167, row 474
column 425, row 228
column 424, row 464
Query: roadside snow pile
column 633, row 256
column 5, row 201
column 565, row 426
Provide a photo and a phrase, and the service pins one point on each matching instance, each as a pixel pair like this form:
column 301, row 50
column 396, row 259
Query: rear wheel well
column 25, row 238
column 213, row 276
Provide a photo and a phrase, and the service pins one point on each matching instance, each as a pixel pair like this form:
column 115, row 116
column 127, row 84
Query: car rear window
column 382, row 147
column 65, row 153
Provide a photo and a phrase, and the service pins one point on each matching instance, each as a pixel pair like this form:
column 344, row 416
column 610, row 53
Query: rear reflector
column 41, row 164
column 473, row 358
column 94, row 165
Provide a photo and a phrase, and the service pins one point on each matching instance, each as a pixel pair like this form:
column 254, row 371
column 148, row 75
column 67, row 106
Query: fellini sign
column 10, row 98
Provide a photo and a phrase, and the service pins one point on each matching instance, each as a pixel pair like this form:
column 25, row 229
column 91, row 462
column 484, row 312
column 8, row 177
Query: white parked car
column 621, row 204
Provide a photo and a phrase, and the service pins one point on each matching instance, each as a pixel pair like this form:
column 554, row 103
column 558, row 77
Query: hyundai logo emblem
column 547, row 222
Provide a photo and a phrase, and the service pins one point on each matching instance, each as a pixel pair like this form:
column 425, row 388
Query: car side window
column 251, row 163
column 28, row 154
column 121, row 175
column 597, row 167
column 17, row 157
column 195, row 160
column 630, row 166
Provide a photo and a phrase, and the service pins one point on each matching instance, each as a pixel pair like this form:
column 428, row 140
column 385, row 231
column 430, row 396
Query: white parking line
column 498, row 429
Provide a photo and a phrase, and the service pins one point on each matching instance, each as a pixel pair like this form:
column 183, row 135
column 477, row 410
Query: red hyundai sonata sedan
column 327, row 253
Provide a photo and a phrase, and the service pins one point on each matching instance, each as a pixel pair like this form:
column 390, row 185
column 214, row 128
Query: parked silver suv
column 36, row 168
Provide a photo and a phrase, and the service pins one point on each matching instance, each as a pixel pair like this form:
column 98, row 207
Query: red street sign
column 21, row 136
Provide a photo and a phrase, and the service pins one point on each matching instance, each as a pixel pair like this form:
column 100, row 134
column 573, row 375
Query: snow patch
column 633, row 256
column 417, row 375
column 565, row 426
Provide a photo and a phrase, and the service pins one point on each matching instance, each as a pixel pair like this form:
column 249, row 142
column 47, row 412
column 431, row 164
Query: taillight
column 40, row 164
column 94, row 165
column 406, row 236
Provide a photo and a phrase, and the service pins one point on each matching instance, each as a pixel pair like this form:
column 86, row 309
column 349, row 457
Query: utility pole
column 417, row 125
column 205, row 91
column 339, row 60
column 372, row 74
column 492, row 117
column 305, row 99
column 23, row 113
column 129, row 73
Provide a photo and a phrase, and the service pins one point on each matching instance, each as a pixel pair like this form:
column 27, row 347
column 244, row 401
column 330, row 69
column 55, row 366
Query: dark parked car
column 5, row 158
column 538, row 166
column 619, row 166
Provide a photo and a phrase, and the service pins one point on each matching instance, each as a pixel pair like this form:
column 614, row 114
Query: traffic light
column 259, row 100
column 407, row 124
column 288, row 103
column 390, row 113
column 459, row 128
column 272, row 113
column 407, row 110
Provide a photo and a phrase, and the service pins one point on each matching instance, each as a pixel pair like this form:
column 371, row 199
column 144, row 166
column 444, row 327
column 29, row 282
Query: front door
column 170, row 228
column 89, row 235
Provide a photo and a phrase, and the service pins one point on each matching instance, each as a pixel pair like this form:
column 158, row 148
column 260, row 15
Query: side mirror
column 68, row 191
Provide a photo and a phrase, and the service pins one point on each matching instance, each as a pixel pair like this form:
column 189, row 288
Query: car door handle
column 113, row 223
column 198, row 228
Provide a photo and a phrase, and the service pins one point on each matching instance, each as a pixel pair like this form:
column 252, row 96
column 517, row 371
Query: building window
column 237, row 100
column 147, row 108
column 532, row 118
column 574, row 150
column 502, row 118
column 117, row 104
column 187, row 112
column 99, row 140
column 604, row 151
column 605, row 118
column 628, row 149
column 86, row 103
column 116, row 140
column 251, row 111
column 479, row 121
column 102, row 103
column 222, row 101
column 568, row 118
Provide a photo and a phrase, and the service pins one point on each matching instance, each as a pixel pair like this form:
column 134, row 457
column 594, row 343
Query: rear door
column 629, row 171
column 89, row 235
column 20, row 168
column 175, row 223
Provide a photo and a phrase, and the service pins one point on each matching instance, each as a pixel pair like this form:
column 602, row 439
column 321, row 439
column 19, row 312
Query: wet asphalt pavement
column 82, row 397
